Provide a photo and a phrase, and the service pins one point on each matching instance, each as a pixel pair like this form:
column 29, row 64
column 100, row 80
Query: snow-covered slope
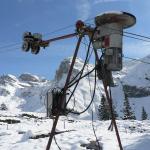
column 134, row 80
column 135, row 135
column 25, row 93
column 24, row 98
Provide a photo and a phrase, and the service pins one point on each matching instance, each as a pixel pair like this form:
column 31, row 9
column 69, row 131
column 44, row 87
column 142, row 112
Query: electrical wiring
column 58, row 30
column 56, row 140
column 76, row 83
column 67, row 27
column 135, row 38
column 56, row 143
column 85, row 44
column 130, row 33
column 81, row 77
column 9, row 50
column 126, row 34
column 10, row 45
column 85, row 62
column 64, row 90
column 89, row 72
column 79, row 113
column 68, row 111
column 134, row 35
column 137, row 60
column 99, row 147
column 73, row 81
column 146, row 37
column 92, row 113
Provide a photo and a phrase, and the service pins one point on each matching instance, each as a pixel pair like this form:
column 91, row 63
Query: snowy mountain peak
column 4, row 79
column 23, row 96
column 65, row 65
column 27, row 77
column 28, row 91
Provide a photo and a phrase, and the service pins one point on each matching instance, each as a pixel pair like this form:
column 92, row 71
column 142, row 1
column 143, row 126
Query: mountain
column 134, row 80
column 22, row 110
column 27, row 92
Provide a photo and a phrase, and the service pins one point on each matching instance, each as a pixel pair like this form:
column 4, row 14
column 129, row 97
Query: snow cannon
column 108, row 36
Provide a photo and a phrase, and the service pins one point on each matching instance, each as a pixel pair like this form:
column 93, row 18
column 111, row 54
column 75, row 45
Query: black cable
column 9, row 50
column 99, row 147
column 135, row 38
column 79, row 73
column 85, row 62
column 146, row 37
column 58, row 30
column 92, row 113
column 56, row 140
column 79, row 113
column 10, row 45
column 73, row 104
column 74, row 80
column 81, row 77
column 76, row 83
column 130, row 33
column 137, row 60
column 56, row 143
column 82, row 68
column 63, row 28
column 111, row 102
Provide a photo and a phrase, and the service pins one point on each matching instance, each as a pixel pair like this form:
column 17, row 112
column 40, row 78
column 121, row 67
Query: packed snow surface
column 135, row 135
column 24, row 97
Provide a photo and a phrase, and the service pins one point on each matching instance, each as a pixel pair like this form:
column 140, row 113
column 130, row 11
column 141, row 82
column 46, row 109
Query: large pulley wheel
column 26, row 46
column 35, row 49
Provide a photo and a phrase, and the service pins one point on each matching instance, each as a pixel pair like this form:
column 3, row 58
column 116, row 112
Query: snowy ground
column 135, row 135
column 27, row 94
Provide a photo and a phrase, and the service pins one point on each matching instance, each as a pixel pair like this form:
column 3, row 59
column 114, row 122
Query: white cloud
column 102, row 1
column 83, row 9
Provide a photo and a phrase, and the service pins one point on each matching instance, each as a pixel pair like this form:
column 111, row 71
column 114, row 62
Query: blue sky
column 46, row 16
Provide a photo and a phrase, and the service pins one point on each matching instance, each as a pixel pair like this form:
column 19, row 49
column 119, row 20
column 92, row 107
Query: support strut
column 64, row 92
column 109, row 99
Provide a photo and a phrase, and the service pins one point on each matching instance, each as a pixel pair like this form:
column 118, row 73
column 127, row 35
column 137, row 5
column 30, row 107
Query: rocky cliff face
column 64, row 68
column 136, row 92
column 27, row 92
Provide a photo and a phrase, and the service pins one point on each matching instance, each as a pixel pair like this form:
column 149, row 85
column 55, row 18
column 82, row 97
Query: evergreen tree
column 115, row 112
column 104, row 110
column 104, row 113
column 144, row 114
column 3, row 106
column 127, row 110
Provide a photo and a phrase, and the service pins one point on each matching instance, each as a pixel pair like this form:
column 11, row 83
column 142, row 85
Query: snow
column 16, row 136
column 28, row 96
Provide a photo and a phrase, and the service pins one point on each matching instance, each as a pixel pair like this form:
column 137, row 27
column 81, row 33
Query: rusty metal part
column 109, row 99
column 64, row 90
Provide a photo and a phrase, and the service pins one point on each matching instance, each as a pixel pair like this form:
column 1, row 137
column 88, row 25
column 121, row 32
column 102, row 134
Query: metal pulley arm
column 59, row 38
column 64, row 92
column 34, row 41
